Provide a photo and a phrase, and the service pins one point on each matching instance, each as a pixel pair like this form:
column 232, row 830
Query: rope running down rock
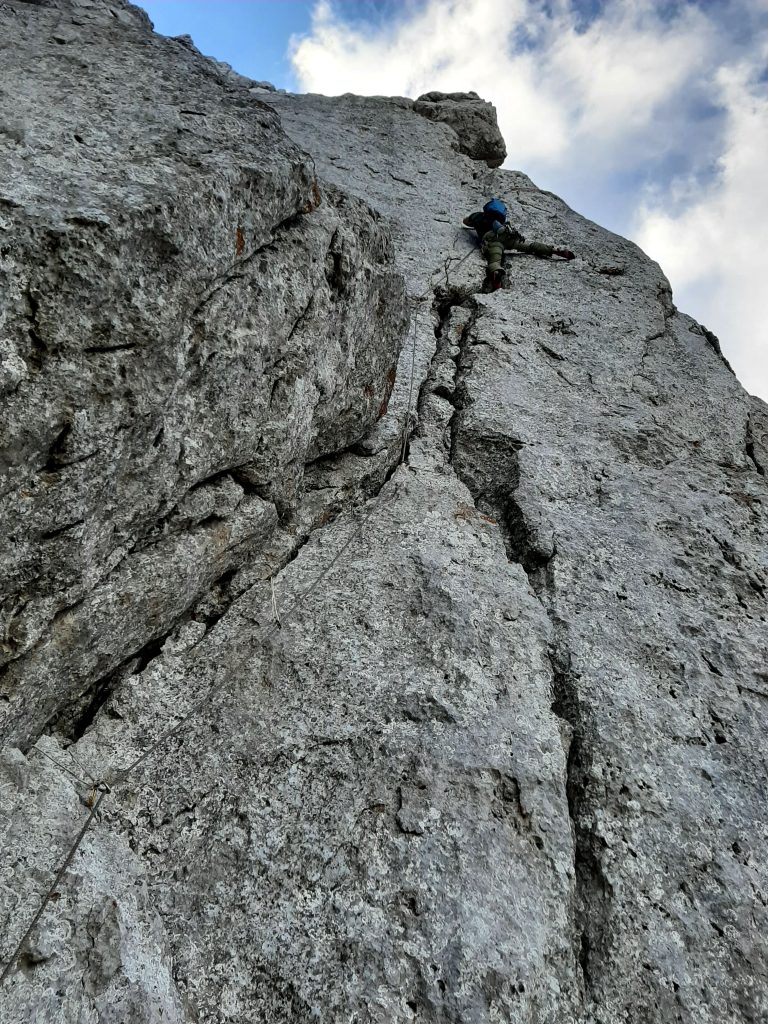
column 104, row 787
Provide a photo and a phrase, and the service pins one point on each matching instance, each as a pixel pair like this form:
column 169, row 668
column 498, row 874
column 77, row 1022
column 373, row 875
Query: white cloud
column 603, row 83
column 626, row 65
column 597, row 109
column 716, row 247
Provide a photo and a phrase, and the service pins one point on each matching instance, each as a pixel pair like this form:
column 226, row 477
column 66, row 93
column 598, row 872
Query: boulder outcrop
column 473, row 120
column 464, row 729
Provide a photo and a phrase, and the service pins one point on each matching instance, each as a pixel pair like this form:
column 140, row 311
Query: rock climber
column 496, row 235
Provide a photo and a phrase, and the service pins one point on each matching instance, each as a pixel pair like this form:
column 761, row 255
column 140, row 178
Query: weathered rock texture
column 472, row 119
column 189, row 319
column 474, row 739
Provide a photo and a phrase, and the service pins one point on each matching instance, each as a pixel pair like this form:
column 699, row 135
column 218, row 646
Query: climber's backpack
column 496, row 209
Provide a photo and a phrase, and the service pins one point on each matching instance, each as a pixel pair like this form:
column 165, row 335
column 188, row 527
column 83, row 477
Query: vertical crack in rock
column 750, row 448
column 591, row 888
column 668, row 311
column 444, row 374
column 39, row 348
column 590, row 885
column 492, row 477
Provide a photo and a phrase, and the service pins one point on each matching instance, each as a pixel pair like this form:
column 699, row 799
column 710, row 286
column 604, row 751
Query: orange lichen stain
column 315, row 198
column 391, row 378
column 239, row 241
column 467, row 513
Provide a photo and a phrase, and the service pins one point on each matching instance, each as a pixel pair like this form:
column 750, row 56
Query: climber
column 496, row 235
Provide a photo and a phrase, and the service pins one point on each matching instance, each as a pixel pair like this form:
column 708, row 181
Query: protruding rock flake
column 401, row 646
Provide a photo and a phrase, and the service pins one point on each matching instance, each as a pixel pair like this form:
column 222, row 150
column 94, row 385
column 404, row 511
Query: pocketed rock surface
column 471, row 739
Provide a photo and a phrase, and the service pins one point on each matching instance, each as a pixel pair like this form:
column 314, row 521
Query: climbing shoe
column 497, row 280
column 494, row 279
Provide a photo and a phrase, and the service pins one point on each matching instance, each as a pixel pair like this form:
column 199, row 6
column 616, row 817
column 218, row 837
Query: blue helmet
column 496, row 209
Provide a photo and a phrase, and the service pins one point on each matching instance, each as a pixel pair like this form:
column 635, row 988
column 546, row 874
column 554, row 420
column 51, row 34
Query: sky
column 650, row 117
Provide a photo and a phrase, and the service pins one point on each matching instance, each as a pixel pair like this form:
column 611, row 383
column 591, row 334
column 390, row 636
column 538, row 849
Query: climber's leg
column 534, row 248
column 493, row 250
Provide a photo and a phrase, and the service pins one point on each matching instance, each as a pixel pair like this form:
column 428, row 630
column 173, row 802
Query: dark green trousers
column 495, row 243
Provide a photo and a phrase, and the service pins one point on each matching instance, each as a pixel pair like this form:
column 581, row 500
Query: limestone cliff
column 467, row 730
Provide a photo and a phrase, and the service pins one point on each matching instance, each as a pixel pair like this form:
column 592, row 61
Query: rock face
column 474, row 738
column 189, row 319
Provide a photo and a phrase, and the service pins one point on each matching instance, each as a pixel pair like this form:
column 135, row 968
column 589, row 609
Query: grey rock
column 475, row 738
column 105, row 930
column 226, row 71
column 182, row 299
column 757, row 435
column 472, row 118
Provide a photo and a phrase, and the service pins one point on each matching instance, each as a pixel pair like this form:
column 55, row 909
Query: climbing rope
column 63, row 767
column 59, row 875
column 100, row 788
column 122, row 774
